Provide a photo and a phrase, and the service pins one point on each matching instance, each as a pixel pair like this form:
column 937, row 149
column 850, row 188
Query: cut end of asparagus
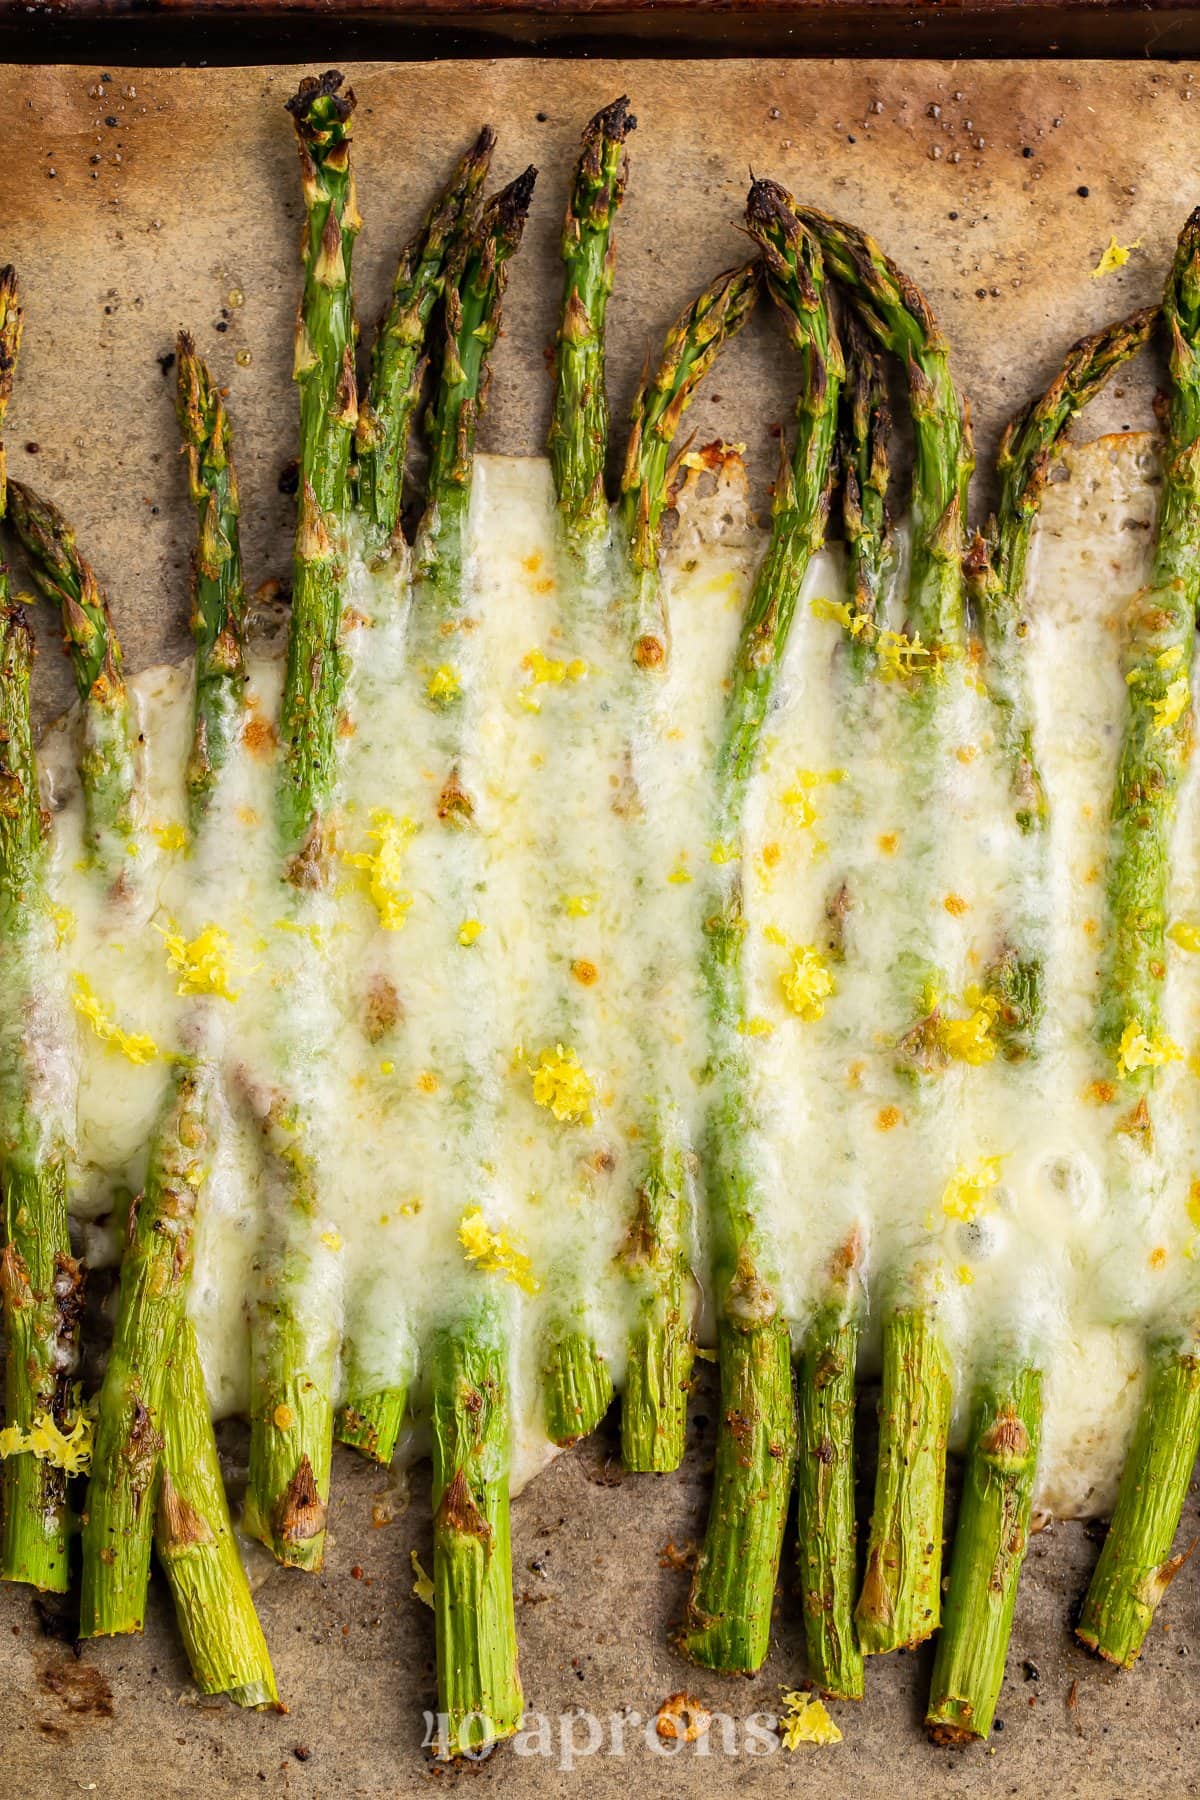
column 577, row 1389
column 371, row 1424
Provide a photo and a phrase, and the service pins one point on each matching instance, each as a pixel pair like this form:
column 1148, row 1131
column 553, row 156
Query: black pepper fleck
column 1082, row 192
column 111, row 121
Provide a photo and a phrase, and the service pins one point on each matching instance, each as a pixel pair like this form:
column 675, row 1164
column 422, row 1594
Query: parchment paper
column 134, row 204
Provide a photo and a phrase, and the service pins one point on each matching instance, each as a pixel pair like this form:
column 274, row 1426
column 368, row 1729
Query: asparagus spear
column 218, row 593
column 154, row 1465
column 294, row 1347
column 692, row 345
column 826, row 1530
column 1135, row 1565
column 41, row 1285
column 106, row 764
column 1158, row 732
column 989, row 1548
column 324, row 370
column 155, row 1269
column 993, row 1526
column 479, row 1688
column 371, row 1417
column 578, row 441
column 654, row 1404
column 729, row 1607
column 900, row 1599
column 479, row 1684
column 898, row 316
column 577, row 1386
column 196, row 1546
column 293, row 1344
column 865, row 428
column 398, row 359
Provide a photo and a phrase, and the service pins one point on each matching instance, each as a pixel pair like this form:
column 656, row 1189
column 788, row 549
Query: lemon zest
column 969, row 1192
column 70, row 1450
column 1137, row 1050
column 1174, row 703
column 172, row 836
column 494, row 1252
column 137, row 1046
column 805, row 1720
column 444, row 685
column 1185, row 935
column 1115, row 257
column 469, row 931
column 808, row 983
column 422, row 1585
column 563, row 1086
column 203, row 965
column 384, row 866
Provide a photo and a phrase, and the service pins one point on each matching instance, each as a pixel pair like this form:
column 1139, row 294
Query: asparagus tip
column 314, row 88
column 511, row 204
column 614, row 121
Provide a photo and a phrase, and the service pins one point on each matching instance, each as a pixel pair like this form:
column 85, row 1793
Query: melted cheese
column 467, row 1017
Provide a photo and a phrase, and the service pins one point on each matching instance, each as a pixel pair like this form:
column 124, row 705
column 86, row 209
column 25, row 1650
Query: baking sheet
column 136, row 201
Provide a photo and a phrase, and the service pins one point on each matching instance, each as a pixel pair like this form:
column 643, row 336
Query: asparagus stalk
column 399, row 359
column 218, row 592
column 993, row 1523
column 106, row 764
column 324, row 371
column 1135, row 1567
column 729, row 1608
column 118, row 1518
column 41, row 1285
column 654, row 1404
column 898, row 316
column 1158, row 731
column 577, row 1386
column 196, row 1546
column 989, row 1548
column 693, row 343
column 900, row 1599
column 479, row 1688
column 826, row 1531
column 866, row 426
column 371, row 1417
column 578, row 441
column 479, row 1684
column 294, row 1347
column 472, row 323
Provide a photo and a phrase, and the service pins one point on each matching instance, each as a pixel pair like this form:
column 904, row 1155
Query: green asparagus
column 479, row 1688
column 578, row 441
column 654, row 1404
column 118, row 1519
column 729, row 1607
column 399, row 357
column 107, row 764
column 41, row 1285
column 826, row 1531
column 577, row 1386
column 989, row 1548
column 218, row 593
column 194, row 1539
column 993, row 1524
column 324, row 371
column 1135, row 1564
